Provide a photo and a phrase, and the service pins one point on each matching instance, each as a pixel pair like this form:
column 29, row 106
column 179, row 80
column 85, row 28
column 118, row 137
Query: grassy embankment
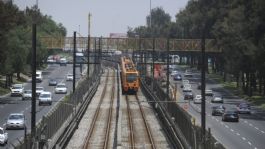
column 256, row 99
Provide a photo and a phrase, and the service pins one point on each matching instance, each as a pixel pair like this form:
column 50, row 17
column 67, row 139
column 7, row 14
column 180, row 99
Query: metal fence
column 180, row 121
column 56, row 126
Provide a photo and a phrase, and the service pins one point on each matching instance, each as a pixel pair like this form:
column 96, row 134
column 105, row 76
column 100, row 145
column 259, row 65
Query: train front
column 132, row 82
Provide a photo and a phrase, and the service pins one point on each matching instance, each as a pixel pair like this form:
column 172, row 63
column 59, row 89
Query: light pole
column 150, row 15
column 33, row 77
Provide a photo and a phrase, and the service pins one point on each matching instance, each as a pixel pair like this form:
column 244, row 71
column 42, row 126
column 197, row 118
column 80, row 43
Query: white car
column 39, row 76
column 174, row 72
column 61, row 88
column 187, row 89
column 45, row 98
column 3, row 136
column 218, row 99
column 39, row 90
column 69, row 77
column 17, row 90
column 63, row 62
column 208, row 93
column 198, row 99
column 26, row 94
column 15, row 121
column 187, row 73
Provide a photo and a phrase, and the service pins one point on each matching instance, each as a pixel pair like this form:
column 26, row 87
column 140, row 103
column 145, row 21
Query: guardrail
column 56, row 127
column 177, row 123
column 176, row 139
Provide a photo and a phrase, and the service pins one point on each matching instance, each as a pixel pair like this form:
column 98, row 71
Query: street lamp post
column 33, row 77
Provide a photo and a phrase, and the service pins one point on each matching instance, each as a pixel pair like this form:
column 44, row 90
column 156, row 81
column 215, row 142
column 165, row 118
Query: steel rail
column 107, row 132
column 90, row 132
column 130, row 123
column 146, row 124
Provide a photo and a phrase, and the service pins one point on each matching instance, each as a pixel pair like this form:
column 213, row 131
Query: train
column 130, row 82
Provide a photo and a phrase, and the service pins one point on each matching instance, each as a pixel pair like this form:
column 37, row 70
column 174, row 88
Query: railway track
column 137, row 136
column 102, row 119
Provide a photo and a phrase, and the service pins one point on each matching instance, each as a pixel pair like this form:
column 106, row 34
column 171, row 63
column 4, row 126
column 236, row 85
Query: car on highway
column 184, row 82
column 197, row 99
column 3, row 136
column 60, row 88
column 218, row 110
column 230, row 116
column 27, row 94
column 39, row 77
column 208, row 92
column 39, row 90
column 174, row 72
column 45, row 98
column 217, row 99
column 188, row 96
column 69, row 77
column 177, row 77
column 52, row 82
column 188, row 73
column 17, row 89
column 187, row 89
column 15, row 121
column 243, row 108
column 63, row 61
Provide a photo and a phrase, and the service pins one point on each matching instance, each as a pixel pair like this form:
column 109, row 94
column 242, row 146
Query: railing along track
column 90, row 132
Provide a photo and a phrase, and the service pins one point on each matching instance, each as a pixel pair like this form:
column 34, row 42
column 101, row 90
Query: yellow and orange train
column 129, row 76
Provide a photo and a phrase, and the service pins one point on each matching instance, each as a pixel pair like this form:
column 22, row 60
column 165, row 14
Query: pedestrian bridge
column 66, row 43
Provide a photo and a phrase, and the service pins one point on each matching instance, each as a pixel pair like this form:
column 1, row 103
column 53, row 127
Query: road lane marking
column 226, row 126
column 232, row 130
column 257, row 128
column 250, row 125
column 249, row 143
column 238, row 134
column 262, row 131
column 246, row 121
column 244, row 138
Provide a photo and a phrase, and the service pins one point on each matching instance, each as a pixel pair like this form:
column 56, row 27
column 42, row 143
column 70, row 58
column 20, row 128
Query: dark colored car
column 188, row 96
column 218, row 110
column 243, row 108
column 52, row 82
column 230, row 116
column 177, row 77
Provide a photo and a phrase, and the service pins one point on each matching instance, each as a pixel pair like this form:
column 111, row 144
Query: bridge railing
column 130, row 43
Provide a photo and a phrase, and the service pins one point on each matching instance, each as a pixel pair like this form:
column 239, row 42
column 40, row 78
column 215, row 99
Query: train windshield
column 131, row 77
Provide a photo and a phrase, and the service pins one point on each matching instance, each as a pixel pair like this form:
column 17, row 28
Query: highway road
column 16, row 105
column 248, row 133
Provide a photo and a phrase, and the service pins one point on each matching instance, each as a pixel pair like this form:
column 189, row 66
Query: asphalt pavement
column 248, row 133
column 17, row 105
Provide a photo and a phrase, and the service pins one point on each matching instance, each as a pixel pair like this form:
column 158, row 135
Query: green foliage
column 15, row 37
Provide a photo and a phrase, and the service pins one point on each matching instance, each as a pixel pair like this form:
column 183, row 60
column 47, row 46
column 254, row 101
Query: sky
column 108, row 16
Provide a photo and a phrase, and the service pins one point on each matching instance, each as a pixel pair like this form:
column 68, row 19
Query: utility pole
column 33, row 86
column 167, row 70
column 74, row 61
column 88, row 45
column 33, row 78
